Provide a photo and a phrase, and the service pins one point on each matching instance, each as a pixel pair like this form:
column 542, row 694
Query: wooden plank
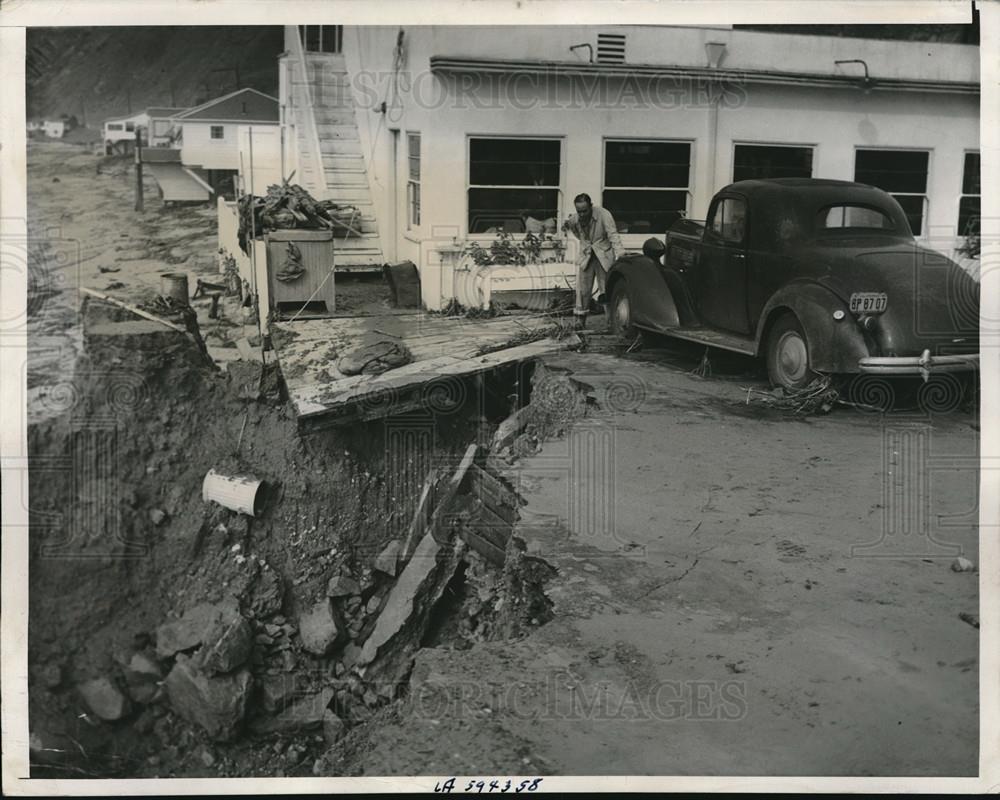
column 484, row 547
column 319, row 398
column 494, row 528
column 510, row 428
column 448, row 493
column 420, row 516
column 134, row 309
column 490, row 492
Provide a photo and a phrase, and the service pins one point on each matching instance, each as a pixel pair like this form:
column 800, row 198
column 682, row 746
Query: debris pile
column 213, row 642
column 288, row 206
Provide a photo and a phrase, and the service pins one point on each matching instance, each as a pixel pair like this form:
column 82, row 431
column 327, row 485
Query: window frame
column 688, row 191
column 413, row 185
column 962, row 195
column 222, row 133
column 845, row 204
column 560, row 190
column 925, row 196
column 716, row 237
column 750, row 143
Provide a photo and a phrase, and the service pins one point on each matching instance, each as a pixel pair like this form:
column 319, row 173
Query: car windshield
column 851, row 216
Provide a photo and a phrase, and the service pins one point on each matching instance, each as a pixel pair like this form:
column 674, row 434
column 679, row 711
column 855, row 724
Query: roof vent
column 611, row 48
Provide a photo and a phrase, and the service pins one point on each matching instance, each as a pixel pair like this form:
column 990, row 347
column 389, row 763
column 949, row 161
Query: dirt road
column 83, row 231
column 738, row 592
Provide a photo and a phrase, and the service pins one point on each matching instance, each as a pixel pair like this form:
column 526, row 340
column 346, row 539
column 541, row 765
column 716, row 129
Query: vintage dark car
column 816, row 276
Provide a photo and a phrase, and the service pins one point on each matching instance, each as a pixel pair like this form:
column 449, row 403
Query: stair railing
column 305, row 92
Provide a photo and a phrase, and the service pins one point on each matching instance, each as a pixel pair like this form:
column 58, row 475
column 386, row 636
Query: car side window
column 729, row 220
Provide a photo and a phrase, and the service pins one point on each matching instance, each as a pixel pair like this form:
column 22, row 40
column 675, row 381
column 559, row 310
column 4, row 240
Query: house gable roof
column 243, row 105
column 161, row 113
column 127, row 117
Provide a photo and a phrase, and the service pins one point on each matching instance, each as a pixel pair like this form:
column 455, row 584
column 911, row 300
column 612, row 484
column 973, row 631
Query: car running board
column 720, row 339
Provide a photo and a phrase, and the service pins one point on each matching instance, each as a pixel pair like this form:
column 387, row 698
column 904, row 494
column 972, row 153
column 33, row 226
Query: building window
column 968, row 205
column 413, row 180
column 901, row 173
column 771, row 161
column 511, row 180
column 130, row 126
column 646, row 183
column 217, row 131
column 322, row 38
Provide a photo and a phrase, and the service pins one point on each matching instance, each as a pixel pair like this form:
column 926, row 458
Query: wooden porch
column 445, row 351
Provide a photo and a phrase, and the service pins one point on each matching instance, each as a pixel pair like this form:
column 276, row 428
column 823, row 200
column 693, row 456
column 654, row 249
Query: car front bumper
column 924, row 365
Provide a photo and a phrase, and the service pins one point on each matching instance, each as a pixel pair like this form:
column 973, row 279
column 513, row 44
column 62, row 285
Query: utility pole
column 138, row 168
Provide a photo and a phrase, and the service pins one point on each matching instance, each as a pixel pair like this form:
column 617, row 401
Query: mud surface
column 83, row 231
column 739, row 592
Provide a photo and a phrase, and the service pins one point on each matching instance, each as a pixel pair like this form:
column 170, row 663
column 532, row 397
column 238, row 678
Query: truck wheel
column 788, row 354
column 621, row 312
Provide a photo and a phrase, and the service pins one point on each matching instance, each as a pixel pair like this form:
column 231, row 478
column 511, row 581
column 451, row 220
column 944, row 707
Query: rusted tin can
column 175, row 286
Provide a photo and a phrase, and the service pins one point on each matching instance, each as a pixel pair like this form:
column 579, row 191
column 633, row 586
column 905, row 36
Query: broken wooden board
column 444, row 350
column 405, row 613
column 510, row 427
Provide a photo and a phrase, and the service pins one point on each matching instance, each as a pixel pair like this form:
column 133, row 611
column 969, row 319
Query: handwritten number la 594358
column 496, row 785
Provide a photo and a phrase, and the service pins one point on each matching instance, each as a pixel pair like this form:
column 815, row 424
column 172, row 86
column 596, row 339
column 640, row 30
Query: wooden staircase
column 344, row 176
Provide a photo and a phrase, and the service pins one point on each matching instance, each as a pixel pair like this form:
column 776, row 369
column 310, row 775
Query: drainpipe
column 715, row 52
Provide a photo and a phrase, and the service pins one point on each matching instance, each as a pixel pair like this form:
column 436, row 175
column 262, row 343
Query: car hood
column 933, row 302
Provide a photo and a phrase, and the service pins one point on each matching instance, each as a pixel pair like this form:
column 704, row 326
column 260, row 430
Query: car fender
column 652, row 303
column 834, row 345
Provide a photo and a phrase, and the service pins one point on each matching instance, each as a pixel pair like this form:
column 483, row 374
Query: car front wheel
column 788, row 355
column 621, row 312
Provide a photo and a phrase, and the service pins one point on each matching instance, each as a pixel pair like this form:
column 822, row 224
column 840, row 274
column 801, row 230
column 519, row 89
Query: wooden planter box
column 312, row 295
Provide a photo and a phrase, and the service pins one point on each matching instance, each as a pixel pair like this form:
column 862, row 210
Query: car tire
column 788, row 355
column 620, row 312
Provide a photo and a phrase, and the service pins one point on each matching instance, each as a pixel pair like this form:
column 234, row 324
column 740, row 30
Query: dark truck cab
column 816, row 276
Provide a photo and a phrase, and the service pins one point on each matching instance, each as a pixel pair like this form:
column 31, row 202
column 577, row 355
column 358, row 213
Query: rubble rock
column 267, row 594
column 306, row 714
column 226, row 646
column 277, row 691
column 962, row 565
column 158, row 516
column 351, row 655
column 217, row 703
column 104, row 699
column 342, row 586
column 142, row 679
column 388, row 560
column 334, row 727
column 189, row 631
column 318, row 629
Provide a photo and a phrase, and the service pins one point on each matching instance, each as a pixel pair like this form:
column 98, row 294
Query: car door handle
column 739, row 256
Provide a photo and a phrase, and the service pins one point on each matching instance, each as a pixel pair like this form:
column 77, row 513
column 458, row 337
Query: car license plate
column 869, row 302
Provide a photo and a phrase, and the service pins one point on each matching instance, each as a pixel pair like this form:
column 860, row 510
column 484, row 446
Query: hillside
column 95, row 73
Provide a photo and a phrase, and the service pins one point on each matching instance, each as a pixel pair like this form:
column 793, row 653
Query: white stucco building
column 54, row 128
column 210, row 133
column 445, row 135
